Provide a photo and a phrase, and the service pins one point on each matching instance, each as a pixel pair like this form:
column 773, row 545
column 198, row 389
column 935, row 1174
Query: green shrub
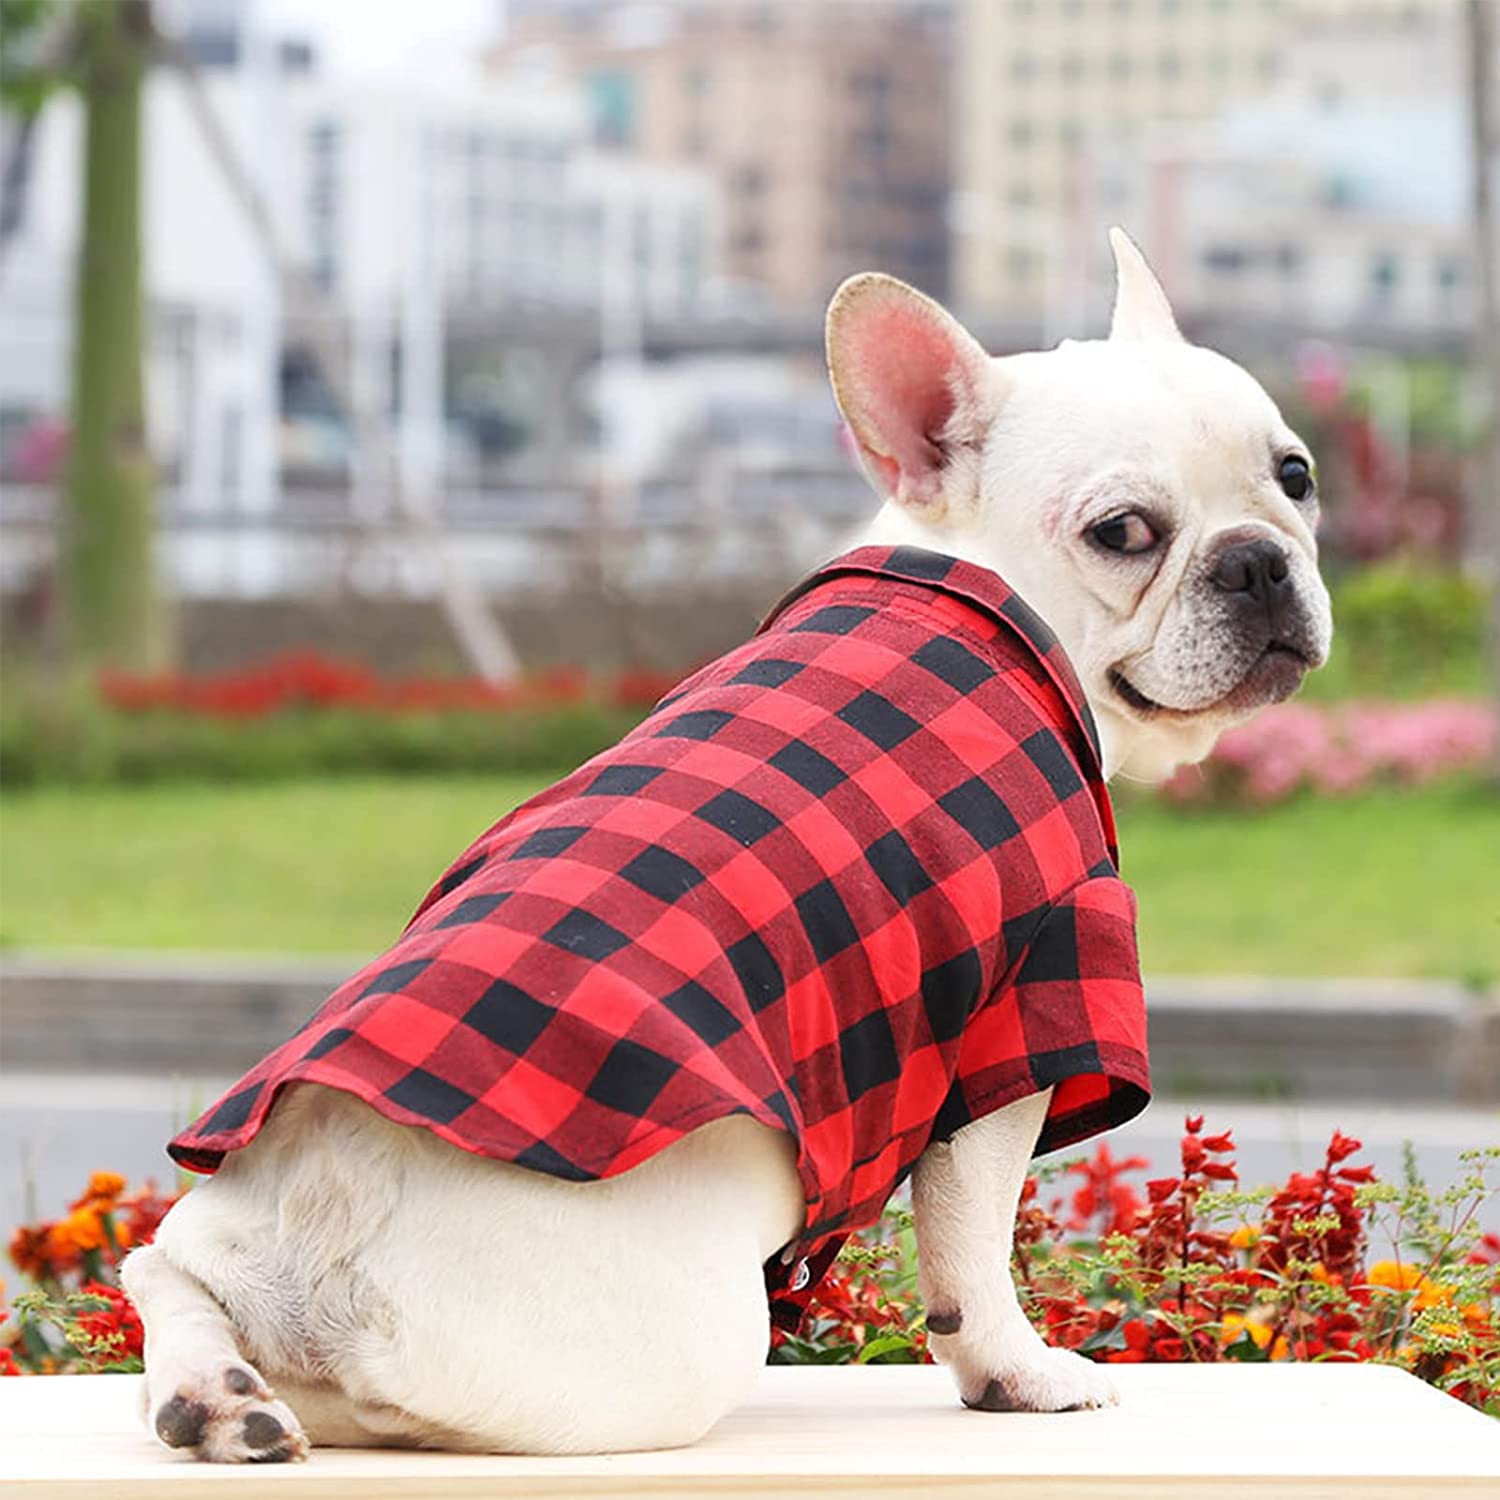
column 1405, row 632
column 41, row 743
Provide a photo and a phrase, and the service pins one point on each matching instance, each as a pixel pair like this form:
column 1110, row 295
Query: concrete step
column 1397, row 1041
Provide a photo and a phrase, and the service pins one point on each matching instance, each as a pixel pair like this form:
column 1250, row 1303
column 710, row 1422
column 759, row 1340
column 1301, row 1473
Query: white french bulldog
column 1146, row 498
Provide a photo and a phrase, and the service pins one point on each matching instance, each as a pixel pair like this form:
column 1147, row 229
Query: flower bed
column 304, row 712
column 1331, row 1265
column 1334, row 750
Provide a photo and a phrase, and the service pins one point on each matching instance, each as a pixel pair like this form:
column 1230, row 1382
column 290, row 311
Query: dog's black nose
column 1258, row 570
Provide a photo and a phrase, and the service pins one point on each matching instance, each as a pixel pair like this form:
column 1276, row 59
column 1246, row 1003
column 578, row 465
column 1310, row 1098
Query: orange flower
column 1244, row 1237
column 82, row 1230
column 106, row 1185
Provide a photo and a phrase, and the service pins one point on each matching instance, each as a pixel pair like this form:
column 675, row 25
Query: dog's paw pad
column 239, row 1381
column 180, row 1422
column 1059, row 1381
column 269, row 1442
column 231, row 1416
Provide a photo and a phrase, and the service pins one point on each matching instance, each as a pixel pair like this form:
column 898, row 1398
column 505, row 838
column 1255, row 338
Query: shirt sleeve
column 1071, row 1017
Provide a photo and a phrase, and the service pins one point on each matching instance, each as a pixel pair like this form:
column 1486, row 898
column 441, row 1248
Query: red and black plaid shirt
column 856, row 879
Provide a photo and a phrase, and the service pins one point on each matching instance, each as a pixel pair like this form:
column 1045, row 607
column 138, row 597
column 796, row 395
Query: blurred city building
column 570, row 304
column 1036, row 81
column 825, row 121
column 1339, row 201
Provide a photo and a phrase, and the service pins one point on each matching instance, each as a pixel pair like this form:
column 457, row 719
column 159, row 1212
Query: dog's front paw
column 229, row 1416
column 1049, row 1380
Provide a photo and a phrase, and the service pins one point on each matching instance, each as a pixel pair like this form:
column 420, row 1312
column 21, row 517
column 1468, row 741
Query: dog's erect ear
column 916, row 389
column 1142, row 311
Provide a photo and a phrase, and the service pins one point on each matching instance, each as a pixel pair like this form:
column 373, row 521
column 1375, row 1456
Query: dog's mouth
column 1272, row 677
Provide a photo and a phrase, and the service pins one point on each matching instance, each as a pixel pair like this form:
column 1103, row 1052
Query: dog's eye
column 1296, row 478
column 1125, row 533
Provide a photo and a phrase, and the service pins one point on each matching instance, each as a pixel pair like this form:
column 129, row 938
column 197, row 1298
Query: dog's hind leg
column 201, row 1392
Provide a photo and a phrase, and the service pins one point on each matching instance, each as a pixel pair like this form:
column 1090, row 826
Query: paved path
column 56, row 1129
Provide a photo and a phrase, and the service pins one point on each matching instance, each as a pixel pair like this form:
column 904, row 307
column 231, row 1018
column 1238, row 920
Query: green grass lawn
column 1388, row 884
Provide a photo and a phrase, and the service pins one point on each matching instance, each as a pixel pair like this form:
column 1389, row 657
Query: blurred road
column 56, row 1129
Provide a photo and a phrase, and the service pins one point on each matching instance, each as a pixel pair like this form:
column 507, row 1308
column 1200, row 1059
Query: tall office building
column 825, row 122
column 1034, row 80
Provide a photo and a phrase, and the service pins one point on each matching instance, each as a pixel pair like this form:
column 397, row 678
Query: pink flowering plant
column 1339, row 749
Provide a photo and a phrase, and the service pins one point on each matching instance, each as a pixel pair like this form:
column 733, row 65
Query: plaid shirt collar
column 987, row 592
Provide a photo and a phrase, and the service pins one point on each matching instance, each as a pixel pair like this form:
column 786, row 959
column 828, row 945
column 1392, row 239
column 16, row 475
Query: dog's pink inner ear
column 900, row 386
column 905, row 370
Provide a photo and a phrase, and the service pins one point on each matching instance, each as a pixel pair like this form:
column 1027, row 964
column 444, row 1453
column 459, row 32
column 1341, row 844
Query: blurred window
column 1069, row 131
column 1023, row 7
column 1385, row 274
column 1120, row 65
column 1450, row 273
column 1022, row 194
column 1168, row 65
column 612, row 100
column 1021, row 131
column 1022, row 66
column 1225, row 260
column 1071, row 66
column 325, row 143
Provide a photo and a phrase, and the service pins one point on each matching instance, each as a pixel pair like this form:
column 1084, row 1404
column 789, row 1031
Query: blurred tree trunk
column 113, row 613
column 1485, row 515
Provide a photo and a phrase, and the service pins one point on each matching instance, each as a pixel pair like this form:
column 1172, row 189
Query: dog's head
column 1142, row 494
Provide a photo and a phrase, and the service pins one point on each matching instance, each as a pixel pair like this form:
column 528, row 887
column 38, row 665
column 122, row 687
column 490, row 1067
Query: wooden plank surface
column 1217, row 1431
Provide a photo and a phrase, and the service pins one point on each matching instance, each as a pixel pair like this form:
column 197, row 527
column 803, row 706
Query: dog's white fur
column 398, row 1290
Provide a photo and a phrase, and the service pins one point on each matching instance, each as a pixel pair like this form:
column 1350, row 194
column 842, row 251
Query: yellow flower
column 1447, row 1328
column 1399, row 1276
column 1236, row 1323
column 1244, row 1237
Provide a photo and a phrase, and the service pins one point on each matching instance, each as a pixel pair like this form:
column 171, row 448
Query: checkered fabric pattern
column 856, row 879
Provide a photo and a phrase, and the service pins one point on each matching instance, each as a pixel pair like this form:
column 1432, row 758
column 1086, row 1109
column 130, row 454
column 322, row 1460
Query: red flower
column 1342, row 1146
column 114, row 1328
